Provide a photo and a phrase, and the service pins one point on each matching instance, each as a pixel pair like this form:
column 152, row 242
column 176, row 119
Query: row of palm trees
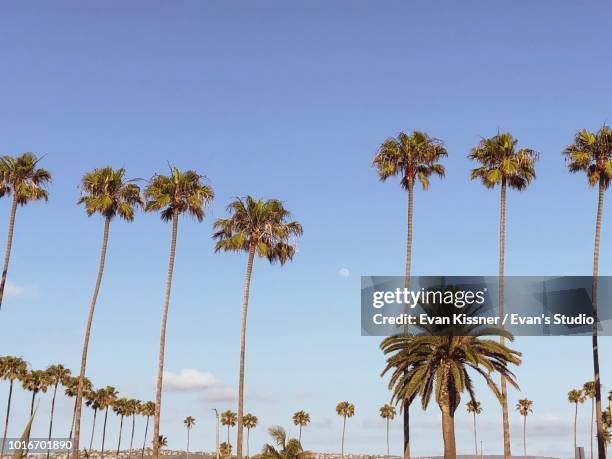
column 256, row 227
column 580, row 396
column 416, row 157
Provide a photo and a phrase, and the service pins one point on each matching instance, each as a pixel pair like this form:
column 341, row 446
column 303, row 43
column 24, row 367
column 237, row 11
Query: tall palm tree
column 474, row 408
column 387, row 412
column 120, row 407
column 147, row 410
column 228, row 418
column 589, row 391
column 262, row 228
column 173, row 195
column 92, row 400
column 576, row 397
column 25, row 181
column 71, row 388
column 250, row 422
column 592, row 153
column 132, row 408
column 301, row 418
column 189, row 423
column 107, row 192
column 501, row 163
column 108, row 397
column 524, row 406
column 412, row 157
column 346, row 410
column 57, row 375
column 11, row 368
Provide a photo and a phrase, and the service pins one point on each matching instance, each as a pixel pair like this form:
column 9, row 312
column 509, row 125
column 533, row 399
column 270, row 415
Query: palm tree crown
column 228, row 418
column 524, row 406
column 286, row 448
column 387, row 412
column 23, row 179
column 592, row 153
column 189, row 422
column 301, row 418
column 473, row 407
column 250, row 421
column 576, row 396
column 345, row 409
column 12, row 368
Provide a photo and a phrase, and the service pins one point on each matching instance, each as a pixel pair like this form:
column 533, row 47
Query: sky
column 290, row 100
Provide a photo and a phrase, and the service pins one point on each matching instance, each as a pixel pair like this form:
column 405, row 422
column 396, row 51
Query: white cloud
column 344, row 272
column 189, row 380
column 219, row 394
column 14, row 291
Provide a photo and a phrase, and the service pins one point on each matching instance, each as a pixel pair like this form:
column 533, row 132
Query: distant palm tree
column 162, row 441
column 301, row 419
column 576, row 397
column 225, row 449
column 412, row 157
column 346, row 410
column 120, row 407
column 147, row 410
column 92, row 400
column 285, row 448
column 474, row 408
column 107, row 400
column 502, row 164
column 25, row 181
column 107, row 192
column 228, row 418
column 132, row 408
column 35, row 381
column 387, row 412
column 589, row 392
column 592, row 153
column 11, row 368
column 189, row 423
column 524, row 408
column 71, row 387
column 173, row 195
column 250, row 422
column 262, row 228
column 57, row 375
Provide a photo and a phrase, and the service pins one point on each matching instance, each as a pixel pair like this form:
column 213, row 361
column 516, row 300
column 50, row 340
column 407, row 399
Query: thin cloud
column 189, row 380
column 344, row 272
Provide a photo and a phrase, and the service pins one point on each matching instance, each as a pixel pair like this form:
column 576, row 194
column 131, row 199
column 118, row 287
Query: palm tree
column 147, row 410
column 228, row 418
column 106, row 192
column 108, row 398
column 474, row 408
column 589, row 391
column 57, row 375
column 35, row 381
column 173, row 195
column 189, row 423
column 71, row 387
column 287, row 448
column 387, row 412
column 261, row 228
column 120, row 407
column 524, row 408
column 592, row 153
column 11, row 369
column 163, row 441
column 346, row 410
column 225, row 449
column 250, row 422
column 576, row 397
column 22, row 178
column 301, row 419
column 502, row 164
column 132, row 408
column 92, row 399
column 412, row 157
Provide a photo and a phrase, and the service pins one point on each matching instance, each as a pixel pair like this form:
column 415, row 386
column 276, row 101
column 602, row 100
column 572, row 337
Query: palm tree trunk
column 300, row 435
column 93, row 429
column 592, row 422
column 30, row 430
column 187, row 442
column 8, row 412
column 144, row 442
column 525, row 437
column 104, row 433
column 601, row 447
column 406, row 403
column 343, row 429
column 120, row 430
column 92, row 307
column 72, row 423
column 504, row 389
column 475, row 437
column 132, row 437
column 228, row 427
column 51, row 420
column 248, row 446
column 448, row 434
column 32, row 404
column 387, row 436
column 9, row 244
column 575, row 426
column 245, row 305
column 162, row 338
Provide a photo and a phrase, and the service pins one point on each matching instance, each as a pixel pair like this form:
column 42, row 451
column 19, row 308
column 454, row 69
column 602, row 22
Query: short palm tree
column 346, row 410
column 57, row 375
column 92, row 400
column 108, row 398
column 474, row 408
column 71, row 388
column 413, row 158
column 589, row 391
column 387, row 412
column 25, row 181
column 250, row 422
column 173, row 195
column 501, row 163
column 35, row 381
column 591, row 153
column 189, row 423
column 228, row 418
column 132, row 409
column 106, row 192
column 120, row 407
column 147, row 410
column 162, row 441
column 11, row 369
column 225, row 449
column 262, row 228
column 301, row 419
column 283, row 448
column 576, row 397
column 524, row 407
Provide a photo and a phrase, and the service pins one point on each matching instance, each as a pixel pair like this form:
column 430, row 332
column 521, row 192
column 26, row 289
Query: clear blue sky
column 290, row 100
